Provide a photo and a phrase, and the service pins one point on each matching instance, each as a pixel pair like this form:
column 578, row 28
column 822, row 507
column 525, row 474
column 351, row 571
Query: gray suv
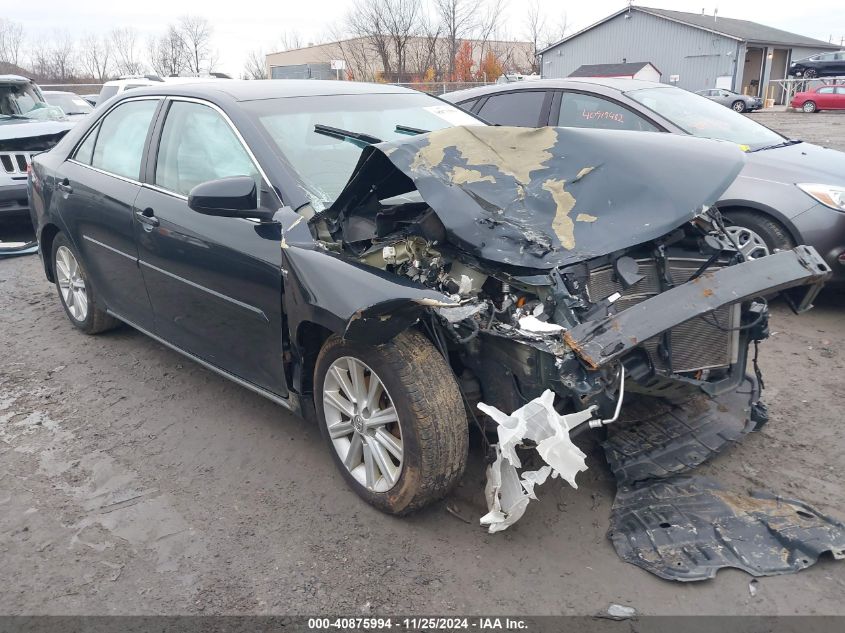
column 28, row 125
column 788, row 193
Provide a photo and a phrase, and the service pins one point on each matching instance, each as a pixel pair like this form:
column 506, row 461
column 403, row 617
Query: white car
column 128, row 82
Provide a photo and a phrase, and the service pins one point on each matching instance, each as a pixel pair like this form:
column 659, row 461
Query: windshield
column 69, row 103
column 324, row 163
column 705, row 118
column 22, row 100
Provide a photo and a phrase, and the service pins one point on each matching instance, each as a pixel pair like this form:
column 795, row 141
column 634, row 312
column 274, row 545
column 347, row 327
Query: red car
column 823, row 98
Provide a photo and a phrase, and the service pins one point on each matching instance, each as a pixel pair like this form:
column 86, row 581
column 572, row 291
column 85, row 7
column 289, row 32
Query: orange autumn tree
column 463, row 63
column 491, row 67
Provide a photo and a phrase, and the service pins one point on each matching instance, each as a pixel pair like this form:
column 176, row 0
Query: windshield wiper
column 16, row 116
column 786, row 143
column 356, row 138
column 407, row 129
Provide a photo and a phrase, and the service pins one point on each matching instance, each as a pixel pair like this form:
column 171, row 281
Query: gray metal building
column 693, row 51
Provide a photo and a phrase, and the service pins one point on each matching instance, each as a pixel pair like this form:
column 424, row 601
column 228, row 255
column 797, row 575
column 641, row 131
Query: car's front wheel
column 738, row 106
column 394, row 419
column 75, row 291
column 755, row 234
column 810, row 73
column 809, row 106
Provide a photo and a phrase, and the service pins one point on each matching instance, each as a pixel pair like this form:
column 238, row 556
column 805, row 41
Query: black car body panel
column 766, row 184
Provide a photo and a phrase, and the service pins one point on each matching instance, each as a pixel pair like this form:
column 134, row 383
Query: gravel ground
column 134, row 481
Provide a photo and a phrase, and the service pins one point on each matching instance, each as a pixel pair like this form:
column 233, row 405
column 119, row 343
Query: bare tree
column 95, row 56
column 62, row 56
column 540, row 33
column 167, row 54
column 458, row 19
column 11, row 40
column 125, row 47
column 401, row 19
column 196, row 32
column 256, row 65
column 366, row 20
column 289, row 40
column 489, row 25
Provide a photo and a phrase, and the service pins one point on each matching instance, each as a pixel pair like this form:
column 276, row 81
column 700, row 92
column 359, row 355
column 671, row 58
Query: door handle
column 64, row 185
column 147, row 216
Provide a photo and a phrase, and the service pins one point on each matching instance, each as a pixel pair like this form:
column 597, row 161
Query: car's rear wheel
column 756, row 234
column 738, row 106
column 75, row 291
column 394, row 419
column 809, row 106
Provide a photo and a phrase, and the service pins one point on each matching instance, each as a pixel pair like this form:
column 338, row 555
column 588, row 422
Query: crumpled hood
column 546, row 197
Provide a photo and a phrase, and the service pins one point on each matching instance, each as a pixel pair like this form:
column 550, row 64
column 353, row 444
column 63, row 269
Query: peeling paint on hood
column 545, row 197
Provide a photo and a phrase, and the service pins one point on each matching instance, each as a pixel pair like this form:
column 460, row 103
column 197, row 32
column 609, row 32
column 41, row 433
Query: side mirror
column 234, row 197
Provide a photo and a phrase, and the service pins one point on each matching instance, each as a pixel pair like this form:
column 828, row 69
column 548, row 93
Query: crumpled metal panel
column 657, row 439
column 545, row 197
column 687, row 528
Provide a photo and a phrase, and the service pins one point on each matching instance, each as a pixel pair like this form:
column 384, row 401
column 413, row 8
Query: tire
column 92, row 320
column 738, row 106
column 810, row 73
column 809, row 107
column 432, row 427
column 772, row 232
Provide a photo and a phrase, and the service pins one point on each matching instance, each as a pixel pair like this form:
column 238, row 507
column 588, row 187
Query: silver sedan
column 733, row 100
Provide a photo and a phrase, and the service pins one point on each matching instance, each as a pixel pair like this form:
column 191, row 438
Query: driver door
column 214, row 283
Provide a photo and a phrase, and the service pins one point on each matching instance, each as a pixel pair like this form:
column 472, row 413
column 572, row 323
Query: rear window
column 521, row 108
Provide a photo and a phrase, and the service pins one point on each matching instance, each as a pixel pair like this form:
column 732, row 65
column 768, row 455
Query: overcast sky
column 248, row 24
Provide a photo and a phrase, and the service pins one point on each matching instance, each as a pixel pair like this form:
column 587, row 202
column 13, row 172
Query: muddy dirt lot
column 134, row 481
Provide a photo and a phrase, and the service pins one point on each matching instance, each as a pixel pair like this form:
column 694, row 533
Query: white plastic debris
column 534, row 325
column 620, row 612
column 507, row 493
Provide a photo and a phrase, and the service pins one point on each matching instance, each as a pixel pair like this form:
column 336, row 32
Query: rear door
column 522, row 108
column 101, row 180
column 579, row 109
column 839, row 103
column 215, row 283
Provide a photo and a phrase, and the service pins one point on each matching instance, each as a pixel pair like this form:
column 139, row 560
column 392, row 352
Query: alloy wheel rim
column 739, row 107
column 809, row 107
column 71, row 284
column 751, row 245
column 363, row 424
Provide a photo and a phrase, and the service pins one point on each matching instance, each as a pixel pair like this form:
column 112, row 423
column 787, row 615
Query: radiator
column 695, row 345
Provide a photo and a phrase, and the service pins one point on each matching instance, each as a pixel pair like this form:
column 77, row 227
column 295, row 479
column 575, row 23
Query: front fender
column 360, row 302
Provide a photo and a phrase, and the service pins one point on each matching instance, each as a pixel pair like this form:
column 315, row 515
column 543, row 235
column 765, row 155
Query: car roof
column 612, row 83
column 14, row 79
column 58, row 92
column 251, row 90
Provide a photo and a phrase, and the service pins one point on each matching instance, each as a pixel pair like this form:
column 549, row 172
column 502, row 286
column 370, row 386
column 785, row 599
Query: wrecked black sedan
column 391, row 260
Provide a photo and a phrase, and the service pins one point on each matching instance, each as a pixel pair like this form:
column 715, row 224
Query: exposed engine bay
column 567, row 280
column 521, row 268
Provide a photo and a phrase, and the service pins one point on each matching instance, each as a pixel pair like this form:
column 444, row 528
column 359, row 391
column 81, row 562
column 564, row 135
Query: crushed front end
column 585, row 278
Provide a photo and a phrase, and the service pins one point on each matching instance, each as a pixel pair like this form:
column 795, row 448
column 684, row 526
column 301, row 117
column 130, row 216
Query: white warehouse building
column 693, row 51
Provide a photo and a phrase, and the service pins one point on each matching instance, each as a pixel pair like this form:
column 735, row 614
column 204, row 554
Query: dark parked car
column 343, row 245
column 790, row 192
column 28, row 125
column 821, row 65
column 822, row 98
column 73, row 105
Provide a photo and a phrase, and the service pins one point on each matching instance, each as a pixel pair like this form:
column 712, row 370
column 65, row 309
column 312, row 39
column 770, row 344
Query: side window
column 825, row 91
column 521, row 108
column 468, row 105
column 197, row 145
column 582, row 110
column 120, row 142
column 85, row 152
column 840, row 91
